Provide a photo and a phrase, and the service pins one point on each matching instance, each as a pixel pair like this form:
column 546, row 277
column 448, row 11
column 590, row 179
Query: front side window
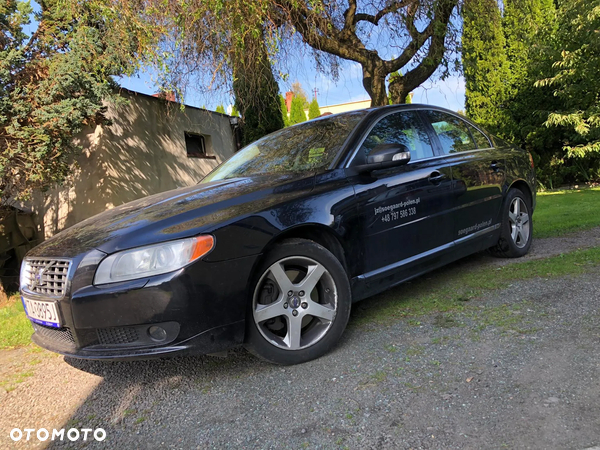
column 452, row 132
column 405, row 128
column 308, row 147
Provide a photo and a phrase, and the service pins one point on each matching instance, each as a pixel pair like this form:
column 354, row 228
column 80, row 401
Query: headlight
column 152, row 260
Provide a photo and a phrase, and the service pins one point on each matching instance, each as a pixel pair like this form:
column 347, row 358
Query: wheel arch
column 524, row 187
column 315, row 232
column 321, row 234
column 318, row 233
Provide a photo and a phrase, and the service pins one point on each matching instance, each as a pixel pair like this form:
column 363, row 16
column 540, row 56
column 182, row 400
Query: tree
column 391, row 79
column 220, row 109
column 54, row 82
column 234, row 112
column 501, row 89
column 284, row 111
column 297, row 111
column 485, row 63
column 214, row 43
column 256, row 90
column 575, row 78
column 299, row 91
column 529, row 29
column 419, row 30
column 313, row 109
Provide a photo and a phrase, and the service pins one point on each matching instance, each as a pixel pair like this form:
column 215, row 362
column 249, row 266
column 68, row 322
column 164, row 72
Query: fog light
column 157, row 333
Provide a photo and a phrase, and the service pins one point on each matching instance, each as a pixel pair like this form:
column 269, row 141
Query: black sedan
column 272, row 247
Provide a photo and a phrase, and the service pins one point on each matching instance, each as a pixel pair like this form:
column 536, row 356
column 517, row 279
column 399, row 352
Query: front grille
column 46, row 276
column 112, row 336
column 58, row 335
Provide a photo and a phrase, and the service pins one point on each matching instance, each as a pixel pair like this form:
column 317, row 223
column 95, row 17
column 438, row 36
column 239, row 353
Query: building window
column 195, row 145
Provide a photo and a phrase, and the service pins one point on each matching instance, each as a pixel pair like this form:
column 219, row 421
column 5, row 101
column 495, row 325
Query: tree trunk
column 398, row 91
column 374, row 83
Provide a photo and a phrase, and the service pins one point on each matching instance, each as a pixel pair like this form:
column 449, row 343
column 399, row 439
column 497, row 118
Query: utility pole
column 315, row 90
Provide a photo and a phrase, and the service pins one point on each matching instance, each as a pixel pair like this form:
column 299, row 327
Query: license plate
column 44, row 313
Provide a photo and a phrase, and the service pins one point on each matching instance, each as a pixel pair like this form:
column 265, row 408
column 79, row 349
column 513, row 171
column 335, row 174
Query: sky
column 448, row 93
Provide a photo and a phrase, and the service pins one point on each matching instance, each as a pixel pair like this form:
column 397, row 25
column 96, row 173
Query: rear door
column 478, row 172
column 404, row 212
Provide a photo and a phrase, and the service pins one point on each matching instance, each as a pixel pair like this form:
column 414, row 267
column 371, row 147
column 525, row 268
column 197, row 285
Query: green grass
column 561, row 212
column 451, row 289
column 15, row 328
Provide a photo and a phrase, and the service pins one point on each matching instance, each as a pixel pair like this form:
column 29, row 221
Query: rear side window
column 452, row 132
column 404, row 128
column 480, row 139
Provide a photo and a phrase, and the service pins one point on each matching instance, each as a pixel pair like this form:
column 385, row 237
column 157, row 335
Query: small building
column 344, row 107
column 150, row 146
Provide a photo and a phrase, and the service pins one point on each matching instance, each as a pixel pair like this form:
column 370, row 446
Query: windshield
column 310, row 146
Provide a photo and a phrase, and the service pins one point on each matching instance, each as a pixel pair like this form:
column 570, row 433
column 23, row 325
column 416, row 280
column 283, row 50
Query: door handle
column 436, row 177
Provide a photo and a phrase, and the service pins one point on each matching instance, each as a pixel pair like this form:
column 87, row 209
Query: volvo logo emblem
column 38, row 276
column 294, row 302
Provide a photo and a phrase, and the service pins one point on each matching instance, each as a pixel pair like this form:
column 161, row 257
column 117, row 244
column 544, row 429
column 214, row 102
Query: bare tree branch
column 391, row 8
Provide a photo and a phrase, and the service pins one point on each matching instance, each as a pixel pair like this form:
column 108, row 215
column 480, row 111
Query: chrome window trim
column 452, row 155
column 417, row 110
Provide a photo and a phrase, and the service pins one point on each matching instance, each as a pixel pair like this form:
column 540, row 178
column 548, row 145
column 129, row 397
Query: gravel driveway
column 518, row 369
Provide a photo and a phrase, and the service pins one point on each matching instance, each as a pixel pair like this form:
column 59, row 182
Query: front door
column 404, row 212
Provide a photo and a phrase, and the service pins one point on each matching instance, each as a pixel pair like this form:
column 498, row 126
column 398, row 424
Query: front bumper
column 209, row 341
column 199, row 309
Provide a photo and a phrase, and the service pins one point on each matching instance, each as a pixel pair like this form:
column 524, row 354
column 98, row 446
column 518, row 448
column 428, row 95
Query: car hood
column 173, row 214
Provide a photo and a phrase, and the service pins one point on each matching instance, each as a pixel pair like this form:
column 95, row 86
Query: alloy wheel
column 518, row 217
column 295, row 303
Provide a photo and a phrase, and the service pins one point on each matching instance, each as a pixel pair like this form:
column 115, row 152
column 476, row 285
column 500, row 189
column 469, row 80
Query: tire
column 517, row 226
column 297, row 278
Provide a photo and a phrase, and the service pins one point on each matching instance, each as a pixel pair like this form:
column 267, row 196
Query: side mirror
column 386, row 155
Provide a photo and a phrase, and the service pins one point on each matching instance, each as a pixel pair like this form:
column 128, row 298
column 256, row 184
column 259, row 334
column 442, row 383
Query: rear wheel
column 300, row 303
column 517, row 227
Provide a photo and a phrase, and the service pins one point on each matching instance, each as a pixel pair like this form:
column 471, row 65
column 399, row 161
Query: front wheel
column 517, row 227
column 300, row 304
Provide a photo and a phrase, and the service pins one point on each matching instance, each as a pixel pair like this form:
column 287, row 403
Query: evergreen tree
column 313, row 109
column 299, row 92
column 284, row 111
column 485, row 63
column 575, row 80
column 220, row 109
column 500, row 91
column 296, row 111
column 234, row 112
column 530, row 28
column 55, row 82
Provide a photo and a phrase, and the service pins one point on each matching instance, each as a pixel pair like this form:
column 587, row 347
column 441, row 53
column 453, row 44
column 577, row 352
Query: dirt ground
column 517, row 369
